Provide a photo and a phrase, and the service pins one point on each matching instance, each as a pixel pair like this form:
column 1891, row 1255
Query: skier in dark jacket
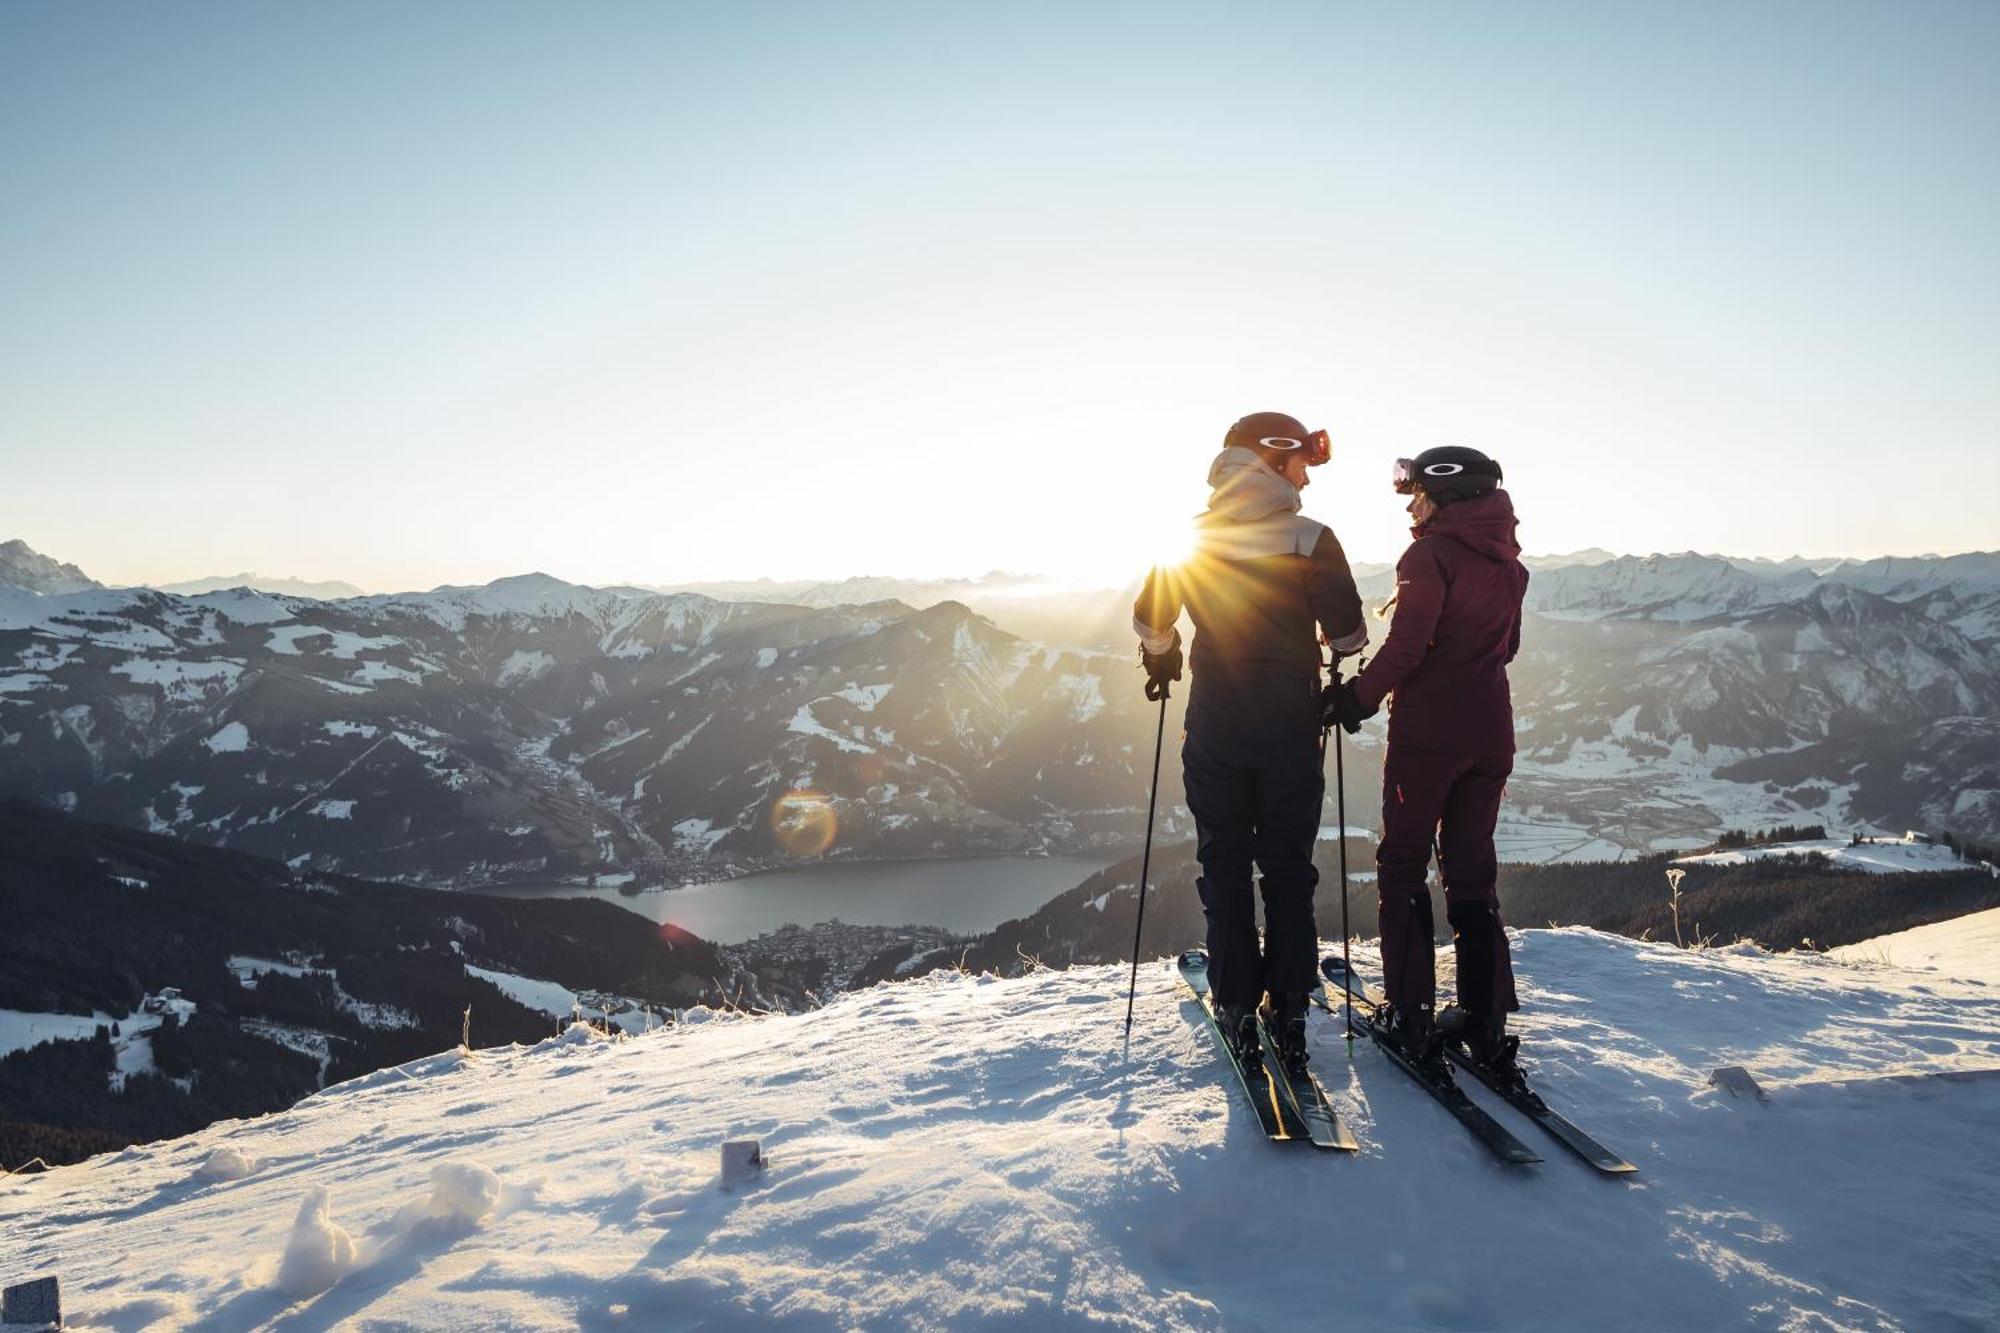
column 1443, row 669
column 1264, row 588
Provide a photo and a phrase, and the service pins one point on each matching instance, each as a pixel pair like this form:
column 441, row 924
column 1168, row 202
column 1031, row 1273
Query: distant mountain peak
column 533, row 581
column 22, row 566
column 322, row 590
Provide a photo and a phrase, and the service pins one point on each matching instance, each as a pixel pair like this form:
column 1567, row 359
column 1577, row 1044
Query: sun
column 1170, row 544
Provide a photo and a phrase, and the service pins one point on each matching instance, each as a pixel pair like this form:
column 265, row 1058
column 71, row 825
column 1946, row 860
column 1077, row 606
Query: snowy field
column 1966, row 947
column 20, row 1030
column 1880, row 856
column 134, row 1044
column 973, row 1153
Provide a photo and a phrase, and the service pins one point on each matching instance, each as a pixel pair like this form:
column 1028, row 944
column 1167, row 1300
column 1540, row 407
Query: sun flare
column 1171, row 545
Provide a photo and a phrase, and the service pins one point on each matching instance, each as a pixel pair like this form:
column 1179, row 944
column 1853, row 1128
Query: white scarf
column 1252, row 511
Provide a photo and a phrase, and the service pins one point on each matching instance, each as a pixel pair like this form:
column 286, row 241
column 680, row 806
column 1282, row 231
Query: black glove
column 1160, row 668
column 1338, row 706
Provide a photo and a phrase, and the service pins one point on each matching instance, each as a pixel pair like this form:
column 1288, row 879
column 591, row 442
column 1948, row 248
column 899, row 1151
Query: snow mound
column 576, row 1034
column 968, row 1152
column 225, row 1164
column 462, row 1192
column 318, row 1253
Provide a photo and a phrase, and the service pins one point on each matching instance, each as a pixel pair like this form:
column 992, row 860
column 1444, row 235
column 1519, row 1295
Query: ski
column 1306, row 1099
column 1445, row 1090
column 1257, row 1085
column 1517, row 1094
column 1525, row 1100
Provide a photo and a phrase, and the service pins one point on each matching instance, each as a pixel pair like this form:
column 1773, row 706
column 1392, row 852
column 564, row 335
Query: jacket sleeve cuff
column 1365, row 692
column 1348, row 644
column 1153, row 640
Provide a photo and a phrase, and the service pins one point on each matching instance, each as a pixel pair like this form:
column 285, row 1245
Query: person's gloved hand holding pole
column 1338, row 706
column 1160, row 669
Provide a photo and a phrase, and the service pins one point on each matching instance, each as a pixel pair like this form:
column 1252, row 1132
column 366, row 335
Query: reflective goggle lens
column 1318, row 446
column 1404, row 476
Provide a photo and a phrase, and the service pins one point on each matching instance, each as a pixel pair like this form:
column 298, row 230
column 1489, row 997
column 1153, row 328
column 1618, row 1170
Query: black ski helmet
column 1448, row 472
column 1274, row 437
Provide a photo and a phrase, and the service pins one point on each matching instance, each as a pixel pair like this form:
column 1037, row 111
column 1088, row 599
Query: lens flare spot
column 804, row 822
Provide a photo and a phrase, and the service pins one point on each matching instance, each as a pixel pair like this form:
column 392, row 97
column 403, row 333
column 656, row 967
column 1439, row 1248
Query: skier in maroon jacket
column 1443, row 669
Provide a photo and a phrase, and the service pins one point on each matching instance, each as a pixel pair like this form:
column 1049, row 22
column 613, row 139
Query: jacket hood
column 1485, row 524
column 1247, row 489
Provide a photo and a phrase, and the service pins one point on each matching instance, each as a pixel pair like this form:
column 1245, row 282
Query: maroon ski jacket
column 1457, row 625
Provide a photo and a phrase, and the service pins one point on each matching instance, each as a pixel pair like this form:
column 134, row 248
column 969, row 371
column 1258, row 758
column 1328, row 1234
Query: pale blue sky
column 413, row 294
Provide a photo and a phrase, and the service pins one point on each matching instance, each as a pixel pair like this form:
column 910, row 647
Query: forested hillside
column 225, row 985
column 1780, row 904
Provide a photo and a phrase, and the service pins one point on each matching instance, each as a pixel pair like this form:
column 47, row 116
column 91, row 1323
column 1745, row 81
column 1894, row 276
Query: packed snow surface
column 966, row 1152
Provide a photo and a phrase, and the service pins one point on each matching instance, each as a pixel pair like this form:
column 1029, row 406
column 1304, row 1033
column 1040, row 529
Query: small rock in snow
column 742, row 1159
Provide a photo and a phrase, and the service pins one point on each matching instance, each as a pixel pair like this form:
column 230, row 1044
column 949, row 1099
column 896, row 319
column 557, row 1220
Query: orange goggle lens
column 1317, row 447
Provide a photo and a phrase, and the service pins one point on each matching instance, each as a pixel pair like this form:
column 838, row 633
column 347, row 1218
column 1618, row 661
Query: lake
column 969, row 894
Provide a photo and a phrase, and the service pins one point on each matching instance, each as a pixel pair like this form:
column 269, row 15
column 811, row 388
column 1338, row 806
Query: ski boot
column 1284, row 1015
column 1413, row 1032
column 1239, row 1033
column 1486, row 1042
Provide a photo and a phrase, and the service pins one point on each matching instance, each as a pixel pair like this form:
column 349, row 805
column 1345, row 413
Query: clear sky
column 410, row 294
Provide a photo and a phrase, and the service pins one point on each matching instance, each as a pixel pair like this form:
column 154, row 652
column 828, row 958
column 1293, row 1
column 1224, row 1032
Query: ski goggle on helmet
column 1318, row 446
column 1279, row 436
column 1450, row 470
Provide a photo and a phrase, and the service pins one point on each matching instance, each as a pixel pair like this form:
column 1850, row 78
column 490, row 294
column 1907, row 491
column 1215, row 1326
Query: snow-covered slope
column 962, row 1152
column 1967, row 947
column 1882, row 856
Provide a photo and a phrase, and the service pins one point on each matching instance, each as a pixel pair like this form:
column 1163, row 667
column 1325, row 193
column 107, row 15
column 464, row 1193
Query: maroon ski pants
column 1450, row 803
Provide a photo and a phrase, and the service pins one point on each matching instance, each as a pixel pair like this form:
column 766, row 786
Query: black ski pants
column 1251, row 763
column 1450, row 803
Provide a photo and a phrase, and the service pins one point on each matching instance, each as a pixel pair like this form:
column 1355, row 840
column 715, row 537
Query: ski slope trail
column 961, row 1152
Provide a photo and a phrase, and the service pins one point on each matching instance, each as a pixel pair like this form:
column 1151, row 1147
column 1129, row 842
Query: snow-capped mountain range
column 535, row 729
column 324, row 589
column 1659, row 697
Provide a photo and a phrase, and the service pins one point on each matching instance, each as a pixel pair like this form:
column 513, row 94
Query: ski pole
column 1146, row 860
column 1340, row 806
